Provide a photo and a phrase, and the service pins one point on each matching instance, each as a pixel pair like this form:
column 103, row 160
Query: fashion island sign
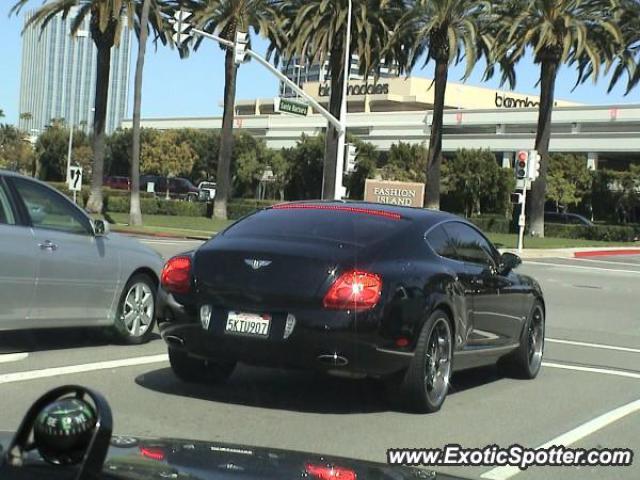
column 394, row 193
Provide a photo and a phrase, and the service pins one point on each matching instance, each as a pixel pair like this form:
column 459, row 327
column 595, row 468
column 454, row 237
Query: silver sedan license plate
column 240, row 323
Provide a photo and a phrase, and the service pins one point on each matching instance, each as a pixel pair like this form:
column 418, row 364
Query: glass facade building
column 58, row 76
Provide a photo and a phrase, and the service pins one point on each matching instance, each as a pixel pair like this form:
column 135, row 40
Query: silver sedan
column 60, row 268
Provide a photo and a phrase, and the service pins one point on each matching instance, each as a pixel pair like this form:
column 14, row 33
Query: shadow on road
column 58, row 339
column 308, row 392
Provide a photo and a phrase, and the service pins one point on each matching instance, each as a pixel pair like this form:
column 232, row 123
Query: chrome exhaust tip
column 333, row 359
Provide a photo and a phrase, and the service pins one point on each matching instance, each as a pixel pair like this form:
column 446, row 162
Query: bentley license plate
column 251, row 324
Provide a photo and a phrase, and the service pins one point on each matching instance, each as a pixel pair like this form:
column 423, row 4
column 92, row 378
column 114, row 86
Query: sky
column 193, row 87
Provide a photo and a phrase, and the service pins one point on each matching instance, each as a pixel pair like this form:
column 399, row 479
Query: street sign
column 516, row 198
column 75, row 179
column 181, row 28
column 286, row 105
column 151, row 187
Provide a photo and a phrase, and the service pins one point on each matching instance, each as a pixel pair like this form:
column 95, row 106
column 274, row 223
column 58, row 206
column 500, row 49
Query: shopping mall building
column 396, row 109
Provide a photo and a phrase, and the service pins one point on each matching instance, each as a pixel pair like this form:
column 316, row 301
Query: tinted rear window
column 345, row 227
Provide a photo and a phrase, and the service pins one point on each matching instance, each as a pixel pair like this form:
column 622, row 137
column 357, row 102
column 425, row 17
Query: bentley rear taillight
column 354, row 290
column 329, row 472
column 176, row 275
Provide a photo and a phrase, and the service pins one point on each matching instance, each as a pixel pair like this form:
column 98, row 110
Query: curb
column 162, row 235
column 601, row 253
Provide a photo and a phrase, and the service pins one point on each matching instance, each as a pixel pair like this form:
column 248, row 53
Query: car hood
column 138, row 458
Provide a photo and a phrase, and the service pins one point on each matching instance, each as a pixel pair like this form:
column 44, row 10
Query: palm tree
column 107, row 18
column 225, row 18
column 580, row 32
column 1, row 113
column 446, row 31
column 148, row 7
column 316, row 31
column 628, row 59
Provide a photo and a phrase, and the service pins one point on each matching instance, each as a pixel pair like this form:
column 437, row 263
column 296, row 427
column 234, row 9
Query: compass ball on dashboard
column 63, row 430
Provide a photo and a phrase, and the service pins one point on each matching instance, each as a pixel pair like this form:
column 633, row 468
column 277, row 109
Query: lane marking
column 579, row 368
column 571, row 437
column 593, row 345
column 611, row 262
column 13, row 357
column 593, row 269
column 87, row 367
column 171, row 242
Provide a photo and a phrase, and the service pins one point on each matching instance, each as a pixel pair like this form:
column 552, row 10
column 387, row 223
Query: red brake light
column 338, row 208
column 329, row 472
column 153, row 453
column 354, row 290
column 176, row 275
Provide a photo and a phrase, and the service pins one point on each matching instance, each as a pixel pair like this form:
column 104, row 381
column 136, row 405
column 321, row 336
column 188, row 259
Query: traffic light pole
column 521, row 219
column 227, row 43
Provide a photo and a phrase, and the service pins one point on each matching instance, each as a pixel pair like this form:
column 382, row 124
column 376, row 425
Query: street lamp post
column 338, row 189
column 72, row 105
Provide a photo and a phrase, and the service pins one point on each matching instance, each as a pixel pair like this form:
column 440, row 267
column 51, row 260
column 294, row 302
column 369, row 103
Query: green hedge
column 492, row 223
column 240, row 207
column 607, row 233
column 158, row 206
column 610, row 233
column 106, row 192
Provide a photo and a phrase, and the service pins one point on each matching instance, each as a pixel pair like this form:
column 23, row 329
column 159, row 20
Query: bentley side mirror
column 508, row 261
column 100, row 228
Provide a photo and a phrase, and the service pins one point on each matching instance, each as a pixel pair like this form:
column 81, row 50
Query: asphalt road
column 592, row 367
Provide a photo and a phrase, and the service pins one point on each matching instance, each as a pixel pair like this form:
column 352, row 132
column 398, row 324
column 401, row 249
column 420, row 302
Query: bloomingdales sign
column 394, row 193
column 324, row 90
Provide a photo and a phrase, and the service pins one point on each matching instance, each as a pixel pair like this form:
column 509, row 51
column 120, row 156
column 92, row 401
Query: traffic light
column 350, row 164
column 240, row 47
column 522, row 159
column 534, row 165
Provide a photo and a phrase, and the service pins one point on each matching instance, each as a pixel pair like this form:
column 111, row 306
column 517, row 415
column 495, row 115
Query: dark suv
column 119, row 183
column 179, row 187
column 567, row 219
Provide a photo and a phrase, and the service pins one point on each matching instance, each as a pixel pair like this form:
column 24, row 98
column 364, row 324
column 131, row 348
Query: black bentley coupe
column 355, row 289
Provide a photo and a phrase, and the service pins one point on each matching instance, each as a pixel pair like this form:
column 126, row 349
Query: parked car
column 61, row 268
column 179, row 187
column 567, row 219
column 118, row 183
column 207, row 191
column 353, row 289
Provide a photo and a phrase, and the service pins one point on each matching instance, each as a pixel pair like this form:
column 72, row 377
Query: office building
column 59, row 76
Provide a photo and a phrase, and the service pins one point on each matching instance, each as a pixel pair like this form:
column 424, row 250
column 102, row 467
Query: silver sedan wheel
column 137, row 311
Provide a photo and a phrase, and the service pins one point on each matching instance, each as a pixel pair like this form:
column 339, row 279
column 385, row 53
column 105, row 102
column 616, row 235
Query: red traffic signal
column 522, row 158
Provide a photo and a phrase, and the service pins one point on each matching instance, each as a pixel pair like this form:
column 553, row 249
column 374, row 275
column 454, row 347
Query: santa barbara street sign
column 286, row 105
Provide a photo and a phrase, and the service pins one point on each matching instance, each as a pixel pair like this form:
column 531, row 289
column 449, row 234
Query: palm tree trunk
column 223, row 180
column 135, row 212
column 548, row 72
column 331, row 139
column 94, row 204
column 434, row 156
